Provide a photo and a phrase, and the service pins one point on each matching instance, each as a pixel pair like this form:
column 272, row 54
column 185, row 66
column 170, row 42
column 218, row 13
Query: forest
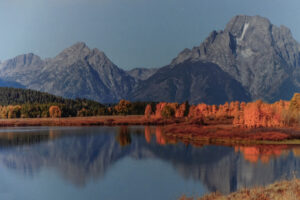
column 25, row 103
column 241, row 114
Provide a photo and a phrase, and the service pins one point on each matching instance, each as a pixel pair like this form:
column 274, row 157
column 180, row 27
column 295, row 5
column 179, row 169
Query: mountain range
column 250, row 59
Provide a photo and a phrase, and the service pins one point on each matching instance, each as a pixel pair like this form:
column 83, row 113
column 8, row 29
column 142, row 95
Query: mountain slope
column 22, row 69
column 142, row 73
column 264, row 58
column 191, row 81
column 76, row 72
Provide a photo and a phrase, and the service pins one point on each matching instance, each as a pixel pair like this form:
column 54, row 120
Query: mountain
column 22, row 69
column 250, row 59
column 191, row 81
column 78, row 71
column 264, row 58
column 142, row 73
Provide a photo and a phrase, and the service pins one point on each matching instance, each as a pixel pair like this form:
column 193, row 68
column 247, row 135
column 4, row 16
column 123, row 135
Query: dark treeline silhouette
column 25, row 103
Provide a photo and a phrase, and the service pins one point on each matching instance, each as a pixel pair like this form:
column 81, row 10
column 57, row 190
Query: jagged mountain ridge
column 264, row 58
column 261, row 58
column 78, row 71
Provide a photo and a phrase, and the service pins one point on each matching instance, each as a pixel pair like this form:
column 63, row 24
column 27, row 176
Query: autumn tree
column 14, row 111
column 123, row 107
column 54, row 112
column 167, row 112
column 293, row 114
column 182, row 110
column 123, row 136
column 148, row 111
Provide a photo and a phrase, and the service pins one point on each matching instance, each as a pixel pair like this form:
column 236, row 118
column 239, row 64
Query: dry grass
column 284, row 190
column 87, row 121
column 228, row 134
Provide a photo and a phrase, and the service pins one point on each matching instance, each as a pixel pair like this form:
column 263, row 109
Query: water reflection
column 264, row 153
column 123, row 137
column 83, row 155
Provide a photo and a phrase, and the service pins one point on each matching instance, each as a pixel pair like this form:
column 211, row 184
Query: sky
column 132, row 33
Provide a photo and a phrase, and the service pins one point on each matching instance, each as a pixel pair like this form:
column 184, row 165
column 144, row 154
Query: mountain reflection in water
column 82, row 156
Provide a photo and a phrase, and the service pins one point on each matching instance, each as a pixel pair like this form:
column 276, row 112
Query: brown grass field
column 283, row 190
column 86, row 121
column 228, row 134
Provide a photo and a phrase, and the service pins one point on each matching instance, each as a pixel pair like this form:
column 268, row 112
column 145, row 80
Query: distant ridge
column 77, row 72
column 251, row 58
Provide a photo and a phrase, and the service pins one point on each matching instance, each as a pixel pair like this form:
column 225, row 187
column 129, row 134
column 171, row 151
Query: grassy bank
column 175, row 129
column 230, row 135
column 283, row 190
column 86, row 121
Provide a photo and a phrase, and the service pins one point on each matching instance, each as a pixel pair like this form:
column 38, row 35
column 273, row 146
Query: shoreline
column 83, row 121
column 178, row 129
column 286, row 189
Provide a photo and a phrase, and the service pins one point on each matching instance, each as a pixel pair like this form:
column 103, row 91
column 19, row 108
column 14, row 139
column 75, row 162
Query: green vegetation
column 24, row 103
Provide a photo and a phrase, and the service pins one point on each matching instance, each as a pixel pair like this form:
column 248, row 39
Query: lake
column 111, row 163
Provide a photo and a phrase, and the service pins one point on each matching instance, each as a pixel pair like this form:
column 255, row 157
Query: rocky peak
column 239, row 25
column 261, row 56
column 74, row 53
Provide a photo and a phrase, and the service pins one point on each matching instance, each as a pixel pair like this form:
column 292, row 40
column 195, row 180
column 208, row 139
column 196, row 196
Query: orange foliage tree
column 123, row 107
column 54, row 112
column 123, row 136
column 148, row 111
column 168, row 112
column 252, row 115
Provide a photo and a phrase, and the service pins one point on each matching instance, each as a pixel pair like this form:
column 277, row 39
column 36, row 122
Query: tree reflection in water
column 81, row 155
column 123, row 137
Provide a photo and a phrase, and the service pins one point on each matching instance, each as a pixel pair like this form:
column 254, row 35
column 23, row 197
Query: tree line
column 25, row 103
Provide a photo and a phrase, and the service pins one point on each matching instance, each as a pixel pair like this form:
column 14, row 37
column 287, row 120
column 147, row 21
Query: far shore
column 184, row 130
column 80, row 121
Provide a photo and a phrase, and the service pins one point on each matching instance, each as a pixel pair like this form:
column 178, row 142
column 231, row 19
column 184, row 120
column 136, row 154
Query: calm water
column 129, row 163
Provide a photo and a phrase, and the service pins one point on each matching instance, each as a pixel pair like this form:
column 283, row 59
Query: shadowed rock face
column 264, row 58
column 193, row 81
column 76, row 72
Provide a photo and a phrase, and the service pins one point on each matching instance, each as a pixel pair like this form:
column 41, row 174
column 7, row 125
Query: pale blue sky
column 133, row 33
